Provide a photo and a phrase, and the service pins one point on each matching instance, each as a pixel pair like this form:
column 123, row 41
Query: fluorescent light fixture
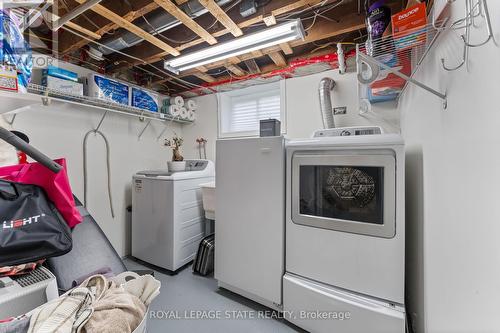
column 269, row 37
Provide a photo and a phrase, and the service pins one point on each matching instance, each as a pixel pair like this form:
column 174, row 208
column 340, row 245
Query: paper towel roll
column 184, row 113
column 177, row 100
column 191, row 115
column 191, row 105
column 174, row 110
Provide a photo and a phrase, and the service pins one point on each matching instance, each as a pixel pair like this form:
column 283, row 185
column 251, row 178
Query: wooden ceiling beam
column 125, row 24
column 258, row 19
column 270, row 20
column 253, row 68
column 281, row 7
column 286, row 48
column 221, row 16
column 205, row 77
column 51, row 17
column 278, row 58
column 130, row 16
column 179, row 14
column 202, row 69
column 236, row 70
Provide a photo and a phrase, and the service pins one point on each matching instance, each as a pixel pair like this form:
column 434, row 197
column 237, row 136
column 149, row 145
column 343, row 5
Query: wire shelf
column 47, row 96
column 387, row 65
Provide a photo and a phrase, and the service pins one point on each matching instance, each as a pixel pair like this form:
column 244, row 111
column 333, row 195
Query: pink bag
column 56, row 185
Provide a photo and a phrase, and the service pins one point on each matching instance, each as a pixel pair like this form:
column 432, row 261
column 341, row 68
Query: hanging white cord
column 108, row 163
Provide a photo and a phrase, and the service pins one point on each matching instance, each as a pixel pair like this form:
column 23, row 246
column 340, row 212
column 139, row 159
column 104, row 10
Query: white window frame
column 224, row 105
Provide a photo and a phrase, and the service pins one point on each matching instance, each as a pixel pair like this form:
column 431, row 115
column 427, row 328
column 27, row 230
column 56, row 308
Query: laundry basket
column 142, row 328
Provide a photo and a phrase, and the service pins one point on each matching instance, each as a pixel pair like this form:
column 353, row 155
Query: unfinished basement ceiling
column 136, row 36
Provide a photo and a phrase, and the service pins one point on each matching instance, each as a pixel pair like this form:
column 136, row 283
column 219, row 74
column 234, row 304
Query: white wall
column 302, row 111
column 59, row 132
column 452, row 188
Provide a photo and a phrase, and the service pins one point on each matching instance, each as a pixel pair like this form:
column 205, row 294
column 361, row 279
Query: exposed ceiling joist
column 221, row 16
column 236, row 70
column 181, row 2
column 81, row 29
column 281, row 7
column 130, row 16
column 270, row 20
column 257, row 53
column 202, row 69
column 123, row 23
column 51, row 17
column 205, row 77
column 278, row 58
column 179, row 14
column 252, row 66
column 286, row 48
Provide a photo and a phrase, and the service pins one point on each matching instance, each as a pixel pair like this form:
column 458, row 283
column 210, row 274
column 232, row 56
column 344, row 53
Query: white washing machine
column 345, row 234
column 167, row 214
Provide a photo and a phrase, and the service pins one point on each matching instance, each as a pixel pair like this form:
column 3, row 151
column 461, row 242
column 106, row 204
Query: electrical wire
column 108, row 168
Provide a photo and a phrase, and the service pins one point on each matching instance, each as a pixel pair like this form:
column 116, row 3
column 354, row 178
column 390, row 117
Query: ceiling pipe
column 74, row 13
column 155, row 23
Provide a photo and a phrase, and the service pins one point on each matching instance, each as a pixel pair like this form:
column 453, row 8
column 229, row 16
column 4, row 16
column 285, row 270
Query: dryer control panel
column 348, row 131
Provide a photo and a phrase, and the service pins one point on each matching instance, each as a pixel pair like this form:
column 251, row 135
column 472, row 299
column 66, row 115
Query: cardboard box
column 409, row 27
column 388, row 86
column 8, row 79
column 107, row 89
column 145, row 99
column 60, row 73
column 61, row 85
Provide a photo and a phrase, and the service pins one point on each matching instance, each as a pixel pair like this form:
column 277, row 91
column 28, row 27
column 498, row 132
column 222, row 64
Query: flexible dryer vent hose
column 108, row 163
column 325, row 101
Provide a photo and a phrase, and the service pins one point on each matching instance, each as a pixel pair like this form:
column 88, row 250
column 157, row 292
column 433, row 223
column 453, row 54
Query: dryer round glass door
column 350, row 193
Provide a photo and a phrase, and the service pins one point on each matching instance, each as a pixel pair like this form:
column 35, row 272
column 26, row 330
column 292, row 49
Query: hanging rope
column 108, row 163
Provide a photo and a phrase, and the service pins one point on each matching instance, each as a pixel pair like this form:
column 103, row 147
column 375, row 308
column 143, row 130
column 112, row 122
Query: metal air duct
column 326, row 85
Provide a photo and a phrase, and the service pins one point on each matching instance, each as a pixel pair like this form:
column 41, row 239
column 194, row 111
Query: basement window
column 240, row 111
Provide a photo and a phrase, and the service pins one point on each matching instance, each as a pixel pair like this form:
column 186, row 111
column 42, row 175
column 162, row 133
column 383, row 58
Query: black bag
column 204, row 261
column 31, row 227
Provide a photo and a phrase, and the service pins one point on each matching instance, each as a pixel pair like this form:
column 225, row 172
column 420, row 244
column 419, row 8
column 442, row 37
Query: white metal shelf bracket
column 11, row 121
column 375, row 66
column 144, row 129
column 162, row 132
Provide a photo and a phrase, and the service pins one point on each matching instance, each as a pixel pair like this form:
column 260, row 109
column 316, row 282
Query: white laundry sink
column 208, row 196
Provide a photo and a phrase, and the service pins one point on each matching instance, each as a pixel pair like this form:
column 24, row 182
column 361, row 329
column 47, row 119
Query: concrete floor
column 186, row 292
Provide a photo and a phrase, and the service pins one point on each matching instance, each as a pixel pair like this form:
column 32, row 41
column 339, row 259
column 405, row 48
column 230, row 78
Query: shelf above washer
column 40, row 96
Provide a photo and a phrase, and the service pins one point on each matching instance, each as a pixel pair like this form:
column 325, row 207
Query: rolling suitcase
column 204, row 261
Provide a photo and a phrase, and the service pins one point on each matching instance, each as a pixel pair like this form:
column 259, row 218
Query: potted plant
column 177, row 163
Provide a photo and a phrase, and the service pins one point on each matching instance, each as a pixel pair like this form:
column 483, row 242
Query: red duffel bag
column 56, row 185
